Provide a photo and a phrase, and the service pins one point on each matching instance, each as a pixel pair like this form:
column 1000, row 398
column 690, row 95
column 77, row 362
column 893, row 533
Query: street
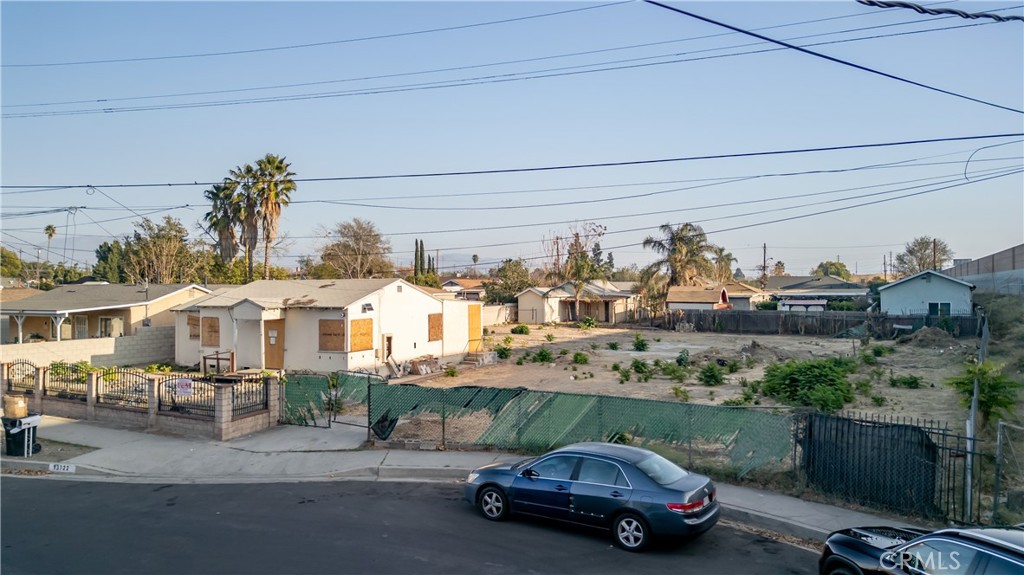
column 67, row 527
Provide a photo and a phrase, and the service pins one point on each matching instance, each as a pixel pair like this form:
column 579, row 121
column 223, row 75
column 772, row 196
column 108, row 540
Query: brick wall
column 150, row 345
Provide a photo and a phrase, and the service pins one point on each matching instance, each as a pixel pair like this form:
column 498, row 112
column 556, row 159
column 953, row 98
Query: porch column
column 57, row 322
column 21, row 334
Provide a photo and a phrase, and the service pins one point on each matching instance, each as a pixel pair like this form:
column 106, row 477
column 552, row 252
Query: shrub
column 833, row 305
column 733, row 366
column 521, row 329
column 868, row 358
column 750, row 361
column 587, row 323
column 997, row 394
column 573, row 368
column 878, row 400
column 882, row 350
column 907, row 381
column 486, row 331
column 946, row 324
column 615, row 367
column 451, row 371
column 639, row 343
column 594, row 346
column 818, row 383
column 768, row 305
column 543, row 355
column 624, row 375
column 675, row 372
column 613, row 345
column 580, row 358
column 863, row 386
column 745, row 398
column 683, row 358
column 563, row 352
column 158, row 368
column 503, row 352
column 519, row 361
column 711, row 375
column 643, row 370
column 680, row 393
column 507, row 340
column 549, row 337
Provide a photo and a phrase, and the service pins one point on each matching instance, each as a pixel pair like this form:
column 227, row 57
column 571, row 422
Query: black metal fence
column 124, row 388
column 186, row 396
column 67, row 381
column 249, row 396
column 827, row 323
column 21, row 377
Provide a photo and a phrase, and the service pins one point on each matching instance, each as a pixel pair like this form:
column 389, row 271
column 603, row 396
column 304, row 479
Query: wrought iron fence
column 123, row 388
column 186, row 396
column 249, row 396
column 21, row 376
column 67, row 381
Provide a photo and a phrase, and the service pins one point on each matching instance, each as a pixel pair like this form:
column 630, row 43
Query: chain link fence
column 1008, row 488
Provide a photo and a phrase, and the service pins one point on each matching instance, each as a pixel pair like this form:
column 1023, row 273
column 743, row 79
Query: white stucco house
column 927, row 293
column 605, row 301
column 324, row 326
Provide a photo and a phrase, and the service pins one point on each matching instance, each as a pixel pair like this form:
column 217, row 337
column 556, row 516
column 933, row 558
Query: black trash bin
column 14, row 437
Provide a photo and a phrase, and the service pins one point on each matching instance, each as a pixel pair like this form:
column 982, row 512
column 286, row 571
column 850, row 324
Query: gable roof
column 700, row 294
column 465, row 283
column 89, row 297
column 11, row 294
column 924, row 273
column 809, row 283
column 277, row 294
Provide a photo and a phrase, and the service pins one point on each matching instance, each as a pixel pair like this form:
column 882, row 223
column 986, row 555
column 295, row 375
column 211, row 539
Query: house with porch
column 605, row 301
column 808, row 291
column 324, row 326
column 95, row 310
column 927, row 293
column 729, row 295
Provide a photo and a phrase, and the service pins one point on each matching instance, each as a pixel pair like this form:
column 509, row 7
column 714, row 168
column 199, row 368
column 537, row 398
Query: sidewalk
column 294, row 454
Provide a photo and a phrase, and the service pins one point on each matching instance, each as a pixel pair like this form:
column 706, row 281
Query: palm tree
column 222, row 219
column 723, row 263
column 476, row 258
column 651, row 291
column 273, row 188
column 684, row 253
column 580, row 270
column 50, row 231
column 243, row 179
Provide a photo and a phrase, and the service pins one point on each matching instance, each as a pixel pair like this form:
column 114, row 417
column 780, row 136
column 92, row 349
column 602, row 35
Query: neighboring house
column 605, row 301
column 82, row 311
column 325, row 325
column 9, row 295
column 465, row 288
column 813, row 288
column 730, row 295
column 803, row 304
column 928, row 292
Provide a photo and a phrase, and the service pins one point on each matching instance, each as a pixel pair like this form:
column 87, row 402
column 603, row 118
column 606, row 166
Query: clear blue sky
column 716, row 103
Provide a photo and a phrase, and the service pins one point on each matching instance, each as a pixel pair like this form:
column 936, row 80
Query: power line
column 312, row 44
column 791, row 151
column 833, row 59
column 937, row 11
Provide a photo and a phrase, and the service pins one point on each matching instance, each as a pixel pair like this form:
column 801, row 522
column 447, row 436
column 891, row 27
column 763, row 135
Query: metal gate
column 67, row 381
column 21, row 377
column 124, row 388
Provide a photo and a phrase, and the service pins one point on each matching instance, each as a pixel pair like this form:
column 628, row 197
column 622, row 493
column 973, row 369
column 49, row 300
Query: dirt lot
column 931, row 355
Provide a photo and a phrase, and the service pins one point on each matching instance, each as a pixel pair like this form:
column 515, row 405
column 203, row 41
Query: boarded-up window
column 435, row 327
column 211, row 332
column 362, row 335
column 193, row 327
column 332, row 335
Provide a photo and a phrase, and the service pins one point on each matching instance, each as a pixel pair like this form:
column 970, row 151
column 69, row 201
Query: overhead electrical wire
column 312, row 44
column 940, row 11
column 791, row 151
column 832, row 58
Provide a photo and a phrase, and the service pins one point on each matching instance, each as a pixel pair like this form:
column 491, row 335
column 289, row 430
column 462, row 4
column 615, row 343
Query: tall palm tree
column 651, row 291
column 723, row 263
column 222, row 219
column 476, row 259
column 50, row 231
column 244, row 178
column 273, row 189
column 684, row 253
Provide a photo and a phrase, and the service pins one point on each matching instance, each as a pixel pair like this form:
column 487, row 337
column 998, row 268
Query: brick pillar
column 93, row 386
column 274, row 399
column 153, row 400
column 37, row 395
column 222, row 410
column 4, row 376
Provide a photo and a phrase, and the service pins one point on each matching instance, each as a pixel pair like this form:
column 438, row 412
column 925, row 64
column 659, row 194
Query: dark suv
column 890, row 550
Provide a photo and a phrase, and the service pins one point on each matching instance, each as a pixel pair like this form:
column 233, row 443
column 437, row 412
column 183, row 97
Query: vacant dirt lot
column 931, row 355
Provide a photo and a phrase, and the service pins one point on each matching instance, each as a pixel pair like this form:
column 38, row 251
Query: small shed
column 927, row 293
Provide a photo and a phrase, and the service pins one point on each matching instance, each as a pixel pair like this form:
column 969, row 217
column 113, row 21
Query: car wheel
column 842, row 570
column 493, row 503
column 631, row 532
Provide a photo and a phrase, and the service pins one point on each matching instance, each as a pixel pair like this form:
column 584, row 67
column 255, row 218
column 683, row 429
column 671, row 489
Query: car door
column 934, row 556
column 600, row 489
column 544, row 487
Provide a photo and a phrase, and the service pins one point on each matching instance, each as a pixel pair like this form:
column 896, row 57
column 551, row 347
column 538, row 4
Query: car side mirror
column 529, row 473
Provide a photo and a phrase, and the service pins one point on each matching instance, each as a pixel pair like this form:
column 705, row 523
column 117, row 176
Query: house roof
column 598, row 289
column 466, row 283
column 11, row 294
column 926, row 273
column 276, row 294
column 88, row 297
column 700, row 294
column 809, row 282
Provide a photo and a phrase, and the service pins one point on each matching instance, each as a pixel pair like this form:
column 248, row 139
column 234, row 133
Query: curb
column 772, row 523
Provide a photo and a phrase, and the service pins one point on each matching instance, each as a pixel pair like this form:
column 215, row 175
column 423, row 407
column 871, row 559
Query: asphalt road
column 69, row 527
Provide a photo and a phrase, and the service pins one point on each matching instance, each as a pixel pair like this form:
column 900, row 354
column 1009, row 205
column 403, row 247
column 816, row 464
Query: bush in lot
column 882, row 350
column 521, row 329
column 711, row 375
column 507, row 340
column 643, row 370
column 907, row 381
column 563, row 352
column 997, row 393
column 587, row 323
column 613, row 345
column 681, row 393
column 451, row 371
column 639, row 343
column 543, row 355
column 868, row 358
column 580, row 358
column 733, row 366
column 503, row 352
column 674, row 372
column 683, row 359
column 818, row 383
column 549, row 336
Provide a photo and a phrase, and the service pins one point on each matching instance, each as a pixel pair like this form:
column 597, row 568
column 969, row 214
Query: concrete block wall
column 184, row 425
column 150, row 345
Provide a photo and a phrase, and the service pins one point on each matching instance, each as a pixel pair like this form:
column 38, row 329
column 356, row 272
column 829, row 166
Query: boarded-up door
column 476, row 333
column 273, row 344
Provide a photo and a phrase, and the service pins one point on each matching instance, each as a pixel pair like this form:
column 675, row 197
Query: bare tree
column 359, row 251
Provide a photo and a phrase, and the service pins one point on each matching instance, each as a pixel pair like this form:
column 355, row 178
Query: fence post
column 444, row 415
column 5, row 374
column 999, row 469
column 37, row 395
column 369, row 407
column 153, row 399
column 93, row 381
column 272, row 386
column 221, row 410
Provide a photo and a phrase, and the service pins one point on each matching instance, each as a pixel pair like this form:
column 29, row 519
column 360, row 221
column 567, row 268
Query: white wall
column 186, row 351
column 456, row 329
column 912, row 296
column 535, row 309
column 302, row 340
column 149, row 345
column 497, row 314
column 404, row 316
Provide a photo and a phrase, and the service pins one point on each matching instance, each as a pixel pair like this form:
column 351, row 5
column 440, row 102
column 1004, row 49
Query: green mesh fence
column 730, row 438
column 306, row 399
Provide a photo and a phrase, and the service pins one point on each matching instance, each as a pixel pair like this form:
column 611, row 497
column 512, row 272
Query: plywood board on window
column 193, row 327
column 211, row 332
column 361, row 338
column 435, row 327
column 332, row 335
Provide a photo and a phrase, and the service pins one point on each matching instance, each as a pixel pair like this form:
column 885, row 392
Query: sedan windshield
column 661, row 470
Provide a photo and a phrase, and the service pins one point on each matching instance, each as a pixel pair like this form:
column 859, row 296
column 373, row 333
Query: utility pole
column 885, row 270
column 935, row 265
column 764, row 266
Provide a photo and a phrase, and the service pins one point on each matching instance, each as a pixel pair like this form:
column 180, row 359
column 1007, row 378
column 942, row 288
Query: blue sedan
column 635, row 493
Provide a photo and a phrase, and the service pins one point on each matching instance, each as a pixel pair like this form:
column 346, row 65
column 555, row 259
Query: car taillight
column 686, row 507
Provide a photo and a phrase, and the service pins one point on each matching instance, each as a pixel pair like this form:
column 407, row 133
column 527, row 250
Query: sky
column 128, row 97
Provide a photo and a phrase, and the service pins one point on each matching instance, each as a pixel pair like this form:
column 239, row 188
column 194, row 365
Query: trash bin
column 19, row 433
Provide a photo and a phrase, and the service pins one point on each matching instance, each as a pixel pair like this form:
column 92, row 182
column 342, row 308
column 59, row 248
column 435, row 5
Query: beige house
column 465, row 288
column 730, row 295
column 324, row 326
column 605, row 301
column 9, row 295
column 96, row 309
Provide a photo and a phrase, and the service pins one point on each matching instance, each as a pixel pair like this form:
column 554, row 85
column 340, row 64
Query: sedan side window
column 600, row 472
column 938, row 557
column 999, row 566
column 557, row 467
